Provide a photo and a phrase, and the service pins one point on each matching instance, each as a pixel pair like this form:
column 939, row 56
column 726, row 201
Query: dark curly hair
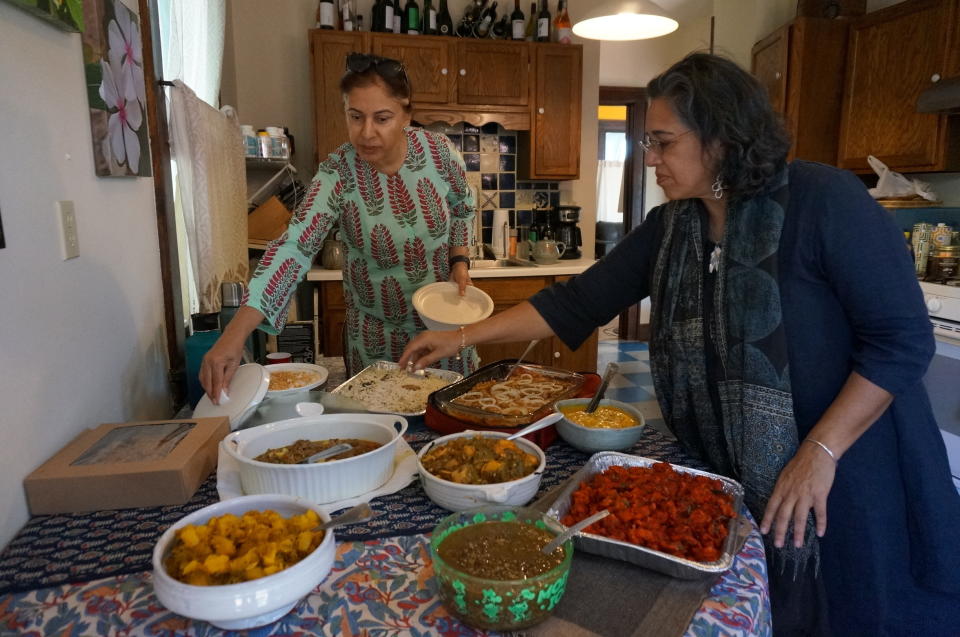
column 723, row 103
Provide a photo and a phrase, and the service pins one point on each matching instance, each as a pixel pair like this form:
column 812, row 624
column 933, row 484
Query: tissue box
column 126, row 465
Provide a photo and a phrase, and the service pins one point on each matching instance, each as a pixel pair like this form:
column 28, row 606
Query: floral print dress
column 397, row 231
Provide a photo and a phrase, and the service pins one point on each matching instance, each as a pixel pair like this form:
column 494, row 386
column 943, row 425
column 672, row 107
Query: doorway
column 620, row 181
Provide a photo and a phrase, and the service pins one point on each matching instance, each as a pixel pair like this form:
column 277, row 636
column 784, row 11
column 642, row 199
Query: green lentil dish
column 500, row 550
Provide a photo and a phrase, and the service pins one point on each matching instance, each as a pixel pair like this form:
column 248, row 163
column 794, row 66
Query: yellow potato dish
column 230, row 549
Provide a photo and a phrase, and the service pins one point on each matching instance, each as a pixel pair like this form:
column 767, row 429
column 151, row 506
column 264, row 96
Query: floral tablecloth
column 379, row 587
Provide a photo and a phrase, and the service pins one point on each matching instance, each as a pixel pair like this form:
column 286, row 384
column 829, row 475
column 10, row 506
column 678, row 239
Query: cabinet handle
column 935, row 77
column 463, row 72
column 556, row 354
column 777, row 75
column 540, row 110
column 443, row 71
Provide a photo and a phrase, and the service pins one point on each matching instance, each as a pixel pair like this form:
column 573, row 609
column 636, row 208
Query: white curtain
column 193, row 33
column 610, row 190
column 211, row 189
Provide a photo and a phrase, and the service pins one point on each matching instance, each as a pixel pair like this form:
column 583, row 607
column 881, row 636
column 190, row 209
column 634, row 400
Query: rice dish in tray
column 393, row 390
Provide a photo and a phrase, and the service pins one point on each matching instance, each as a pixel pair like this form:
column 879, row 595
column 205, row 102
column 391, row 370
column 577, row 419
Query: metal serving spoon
column 612, row 369
column 573, row 530
column 546, row 421
column 513, row 367
column 360, row 513
column 326, row 453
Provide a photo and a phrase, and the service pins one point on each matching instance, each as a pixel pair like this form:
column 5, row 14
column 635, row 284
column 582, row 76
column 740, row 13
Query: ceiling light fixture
column 619, row 20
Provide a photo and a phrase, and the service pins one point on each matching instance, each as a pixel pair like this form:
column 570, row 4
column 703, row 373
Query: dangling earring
column 717, row 188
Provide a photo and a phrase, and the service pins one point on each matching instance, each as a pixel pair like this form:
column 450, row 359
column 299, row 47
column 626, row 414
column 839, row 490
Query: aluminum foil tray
column 377, row 366
column 648, row 558
column 444, row 398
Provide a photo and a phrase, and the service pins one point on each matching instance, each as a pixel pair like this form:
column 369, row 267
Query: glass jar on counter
column 943, row 264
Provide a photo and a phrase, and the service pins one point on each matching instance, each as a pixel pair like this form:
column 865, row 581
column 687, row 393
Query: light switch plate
column 69, row 242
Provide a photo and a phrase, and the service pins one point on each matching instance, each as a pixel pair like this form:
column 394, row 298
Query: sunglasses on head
column 385, row 67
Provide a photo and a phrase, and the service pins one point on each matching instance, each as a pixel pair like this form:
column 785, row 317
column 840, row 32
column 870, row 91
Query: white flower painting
column 113, row 59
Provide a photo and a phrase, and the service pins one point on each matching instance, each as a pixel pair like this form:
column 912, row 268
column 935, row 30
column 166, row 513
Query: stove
column 943, row 377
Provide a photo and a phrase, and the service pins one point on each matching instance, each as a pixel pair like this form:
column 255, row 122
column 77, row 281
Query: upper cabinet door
column 555, row 144
column 495, row 72
column 895, row 53
column 428, row 62
column 771, row 64
column 329, row 54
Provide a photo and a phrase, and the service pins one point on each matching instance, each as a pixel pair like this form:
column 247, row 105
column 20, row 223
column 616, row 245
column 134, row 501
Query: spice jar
column 942, row 264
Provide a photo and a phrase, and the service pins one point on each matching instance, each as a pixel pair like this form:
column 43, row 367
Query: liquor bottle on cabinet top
column 397, row 17
column 471, row 14
column 411, row 18
column 376, row 13
column 444, row 21
column 517, row 23
column 428, row 21
column 531, row 33
column 326, row 14
column 544, row 22
column 346, row 16
column 388, row 12
column 487, row 21
column 501, row 28
column 562, row 27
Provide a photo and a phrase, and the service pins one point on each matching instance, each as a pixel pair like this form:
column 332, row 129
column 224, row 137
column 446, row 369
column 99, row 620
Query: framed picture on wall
column 113, row 65
column 64, row 14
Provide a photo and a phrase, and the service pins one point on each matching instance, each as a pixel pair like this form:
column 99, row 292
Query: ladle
column 546, row 421
column 521, row 357
column 573, row 530
column 612, row 368
column 360, row 513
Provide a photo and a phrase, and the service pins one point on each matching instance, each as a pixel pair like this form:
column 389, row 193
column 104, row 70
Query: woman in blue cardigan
column 789, row 340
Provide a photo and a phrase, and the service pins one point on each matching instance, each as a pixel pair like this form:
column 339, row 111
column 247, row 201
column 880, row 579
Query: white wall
column 81, row 341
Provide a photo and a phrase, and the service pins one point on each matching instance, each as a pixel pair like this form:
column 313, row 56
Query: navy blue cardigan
column 851, row 302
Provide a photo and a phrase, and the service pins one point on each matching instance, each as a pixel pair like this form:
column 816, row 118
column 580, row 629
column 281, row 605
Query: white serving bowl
column 321, row 482
column 593, row 439
column 296, row 391
column 458, row 497
column 442, row 308
column 247, row 604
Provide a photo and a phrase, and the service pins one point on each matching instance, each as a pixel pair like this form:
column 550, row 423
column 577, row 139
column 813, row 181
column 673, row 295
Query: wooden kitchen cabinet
column 520, row 85
column 329, row 50
column 552, row 148
column 894, row 54
column 801, row 65
column 505, row 292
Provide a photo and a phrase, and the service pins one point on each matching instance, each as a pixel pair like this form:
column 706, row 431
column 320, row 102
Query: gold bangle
column 822, row 446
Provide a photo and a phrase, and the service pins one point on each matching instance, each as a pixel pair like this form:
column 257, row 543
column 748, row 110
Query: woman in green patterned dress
column 400, row 198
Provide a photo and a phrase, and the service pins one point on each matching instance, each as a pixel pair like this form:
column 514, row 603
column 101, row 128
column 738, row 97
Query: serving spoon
column 546, row 421
column 360, row 513
column 552, row 545
column 521, row 357
column 326, row 453
column 612, row 368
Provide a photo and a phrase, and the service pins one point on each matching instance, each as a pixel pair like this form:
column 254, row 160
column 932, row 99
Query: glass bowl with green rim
column 499, row 604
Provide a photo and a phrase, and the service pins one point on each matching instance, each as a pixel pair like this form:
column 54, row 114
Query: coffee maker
column 567, row 231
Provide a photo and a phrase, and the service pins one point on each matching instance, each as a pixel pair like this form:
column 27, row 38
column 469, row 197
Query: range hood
column 942, row 97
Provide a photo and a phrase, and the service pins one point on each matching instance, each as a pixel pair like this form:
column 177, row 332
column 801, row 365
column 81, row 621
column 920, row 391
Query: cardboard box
column 125, row 465
column 268, row 221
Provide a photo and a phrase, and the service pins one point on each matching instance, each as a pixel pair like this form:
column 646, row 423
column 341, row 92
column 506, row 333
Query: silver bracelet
column 822, row 446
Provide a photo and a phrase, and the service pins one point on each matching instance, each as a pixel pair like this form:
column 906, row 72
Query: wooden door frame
column 634, row 184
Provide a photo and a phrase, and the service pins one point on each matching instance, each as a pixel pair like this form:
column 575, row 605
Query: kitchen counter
column 560, row 268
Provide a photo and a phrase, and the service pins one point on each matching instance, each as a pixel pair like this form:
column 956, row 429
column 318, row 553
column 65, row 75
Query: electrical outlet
column 69, row 243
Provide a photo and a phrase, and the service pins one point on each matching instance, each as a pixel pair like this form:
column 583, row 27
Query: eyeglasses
column 658, row 146
column 385, row 67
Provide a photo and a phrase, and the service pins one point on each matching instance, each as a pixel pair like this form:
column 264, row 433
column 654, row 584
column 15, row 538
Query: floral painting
column 65, row 14
column 113, row 62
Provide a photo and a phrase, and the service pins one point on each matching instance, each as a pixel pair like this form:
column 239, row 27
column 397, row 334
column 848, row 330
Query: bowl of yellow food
column 473, row 468
column 293, row 379
column 490, row 570
column 613, row 426
column 243, row 562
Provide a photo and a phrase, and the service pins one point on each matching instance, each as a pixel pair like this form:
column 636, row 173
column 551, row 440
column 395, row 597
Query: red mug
column 275, row 358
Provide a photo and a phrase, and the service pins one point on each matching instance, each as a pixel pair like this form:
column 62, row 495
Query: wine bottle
column 517, row 22
column 397, row 17
column 562, row 27
column 326, row 14
column 375, row 13
column 543, row 22
column 411, row 18
column 428, row 21
column 346, row 16
column 487, row 21
column 359, row 23
column 501, row 28
column 444, row 21
column 531, row 33
column 468, row 21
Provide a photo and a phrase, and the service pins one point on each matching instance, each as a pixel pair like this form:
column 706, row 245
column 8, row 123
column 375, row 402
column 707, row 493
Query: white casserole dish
column 458, row 497
column 326, row 481
column 246, row 604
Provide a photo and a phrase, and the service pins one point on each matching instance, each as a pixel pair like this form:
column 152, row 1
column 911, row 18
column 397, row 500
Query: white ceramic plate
column 442, row 308
column 247, row 388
